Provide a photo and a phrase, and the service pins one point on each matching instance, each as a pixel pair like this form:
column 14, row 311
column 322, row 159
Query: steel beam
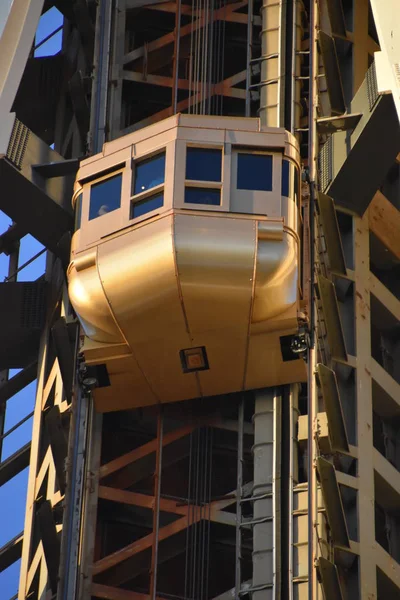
column 15, row 46
column 11, row 552
column 16, row 463
column 131, row 457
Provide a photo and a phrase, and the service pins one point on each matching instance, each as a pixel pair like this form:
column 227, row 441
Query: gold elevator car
column 185, row 260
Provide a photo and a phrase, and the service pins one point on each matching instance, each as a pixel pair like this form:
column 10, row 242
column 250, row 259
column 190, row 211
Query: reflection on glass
column 254, row 172
column 296, row 185
column 285, row 177
column 203, row 164
column 105, row 196
column 78, row 212
column 149, row 173
column 202, row 196
column 147, row 205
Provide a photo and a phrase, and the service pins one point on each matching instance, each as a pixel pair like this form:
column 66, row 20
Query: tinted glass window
column 203, row 164
column 254, row 172
column 105, row 196
column 285, row 177
column 296, row 184
column 149, row 173
column 78, row 212
column 202, row 196
column 147, row 205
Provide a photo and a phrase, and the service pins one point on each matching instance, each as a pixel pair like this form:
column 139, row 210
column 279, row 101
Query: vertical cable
column 206, row 54
column 210, row 58
column 191, row 62
column 249, row 56
column 239, row 487
column 156, row 508
column 203, row 515
column 187, row 583
column 197, row 55
column 176, row 56
column 209, row 512
column 223, row 58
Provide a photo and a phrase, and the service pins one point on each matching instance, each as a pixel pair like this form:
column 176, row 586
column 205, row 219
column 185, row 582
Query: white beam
column 387, row 61
column 15, row 45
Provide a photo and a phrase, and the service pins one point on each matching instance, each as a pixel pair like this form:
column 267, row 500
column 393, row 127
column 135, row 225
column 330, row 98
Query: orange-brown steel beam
column 166, row 40
column 112, row 593
column 170, row 7
column 224, row 88
column 166, row 505
column 139, row 545
column 126, row 459
column 184, row 104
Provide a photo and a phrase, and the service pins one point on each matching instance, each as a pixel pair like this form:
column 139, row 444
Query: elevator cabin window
column 105, row 196
column 78, row 212
column 290, row 180
column 285, row 178
column 203, row 176
column 254, row 172
column 148, row 182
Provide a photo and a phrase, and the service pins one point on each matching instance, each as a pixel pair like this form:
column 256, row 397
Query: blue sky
column 13, row 493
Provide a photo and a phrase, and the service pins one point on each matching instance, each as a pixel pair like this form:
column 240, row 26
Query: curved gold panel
column 276, row 274
column 215, row 261
column 89, row 301
column 144, row 296
column 228, row 284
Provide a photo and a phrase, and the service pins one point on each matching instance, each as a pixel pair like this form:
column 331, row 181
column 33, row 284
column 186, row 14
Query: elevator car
column 185, row 261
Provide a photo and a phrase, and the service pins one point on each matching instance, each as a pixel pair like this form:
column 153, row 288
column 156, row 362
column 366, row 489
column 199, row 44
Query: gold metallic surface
column 188, row 277
column 144, row 297
column 276, row 273
column 215, row 263
column 186, row 280
column 90, row 303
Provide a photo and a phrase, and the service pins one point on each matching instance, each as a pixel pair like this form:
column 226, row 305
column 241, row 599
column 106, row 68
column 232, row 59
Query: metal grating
column 372, row 86
column 33, row 305
column 18, row 143
column 397, row 72
column 331, row 235
column 325, row 167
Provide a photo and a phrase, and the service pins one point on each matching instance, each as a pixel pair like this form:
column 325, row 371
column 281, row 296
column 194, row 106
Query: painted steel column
column 15, row 47
column 98, row 109
column 271, row 64
column 77, row 460
column 296, row 68
column 366, row 490
column 115, row 108
column 312, row 400
column 266, row 494
column 294, row 475
column 90, row 503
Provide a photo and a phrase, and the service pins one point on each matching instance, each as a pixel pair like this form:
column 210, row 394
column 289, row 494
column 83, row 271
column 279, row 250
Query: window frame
column 257, row 152
column 75, row 197
column 154, row 191
column 256, row 202
column 204, row 184
column 92, row 182
column 93, row 231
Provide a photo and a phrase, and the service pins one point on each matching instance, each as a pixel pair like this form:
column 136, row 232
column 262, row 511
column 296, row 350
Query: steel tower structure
column 282, row 492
